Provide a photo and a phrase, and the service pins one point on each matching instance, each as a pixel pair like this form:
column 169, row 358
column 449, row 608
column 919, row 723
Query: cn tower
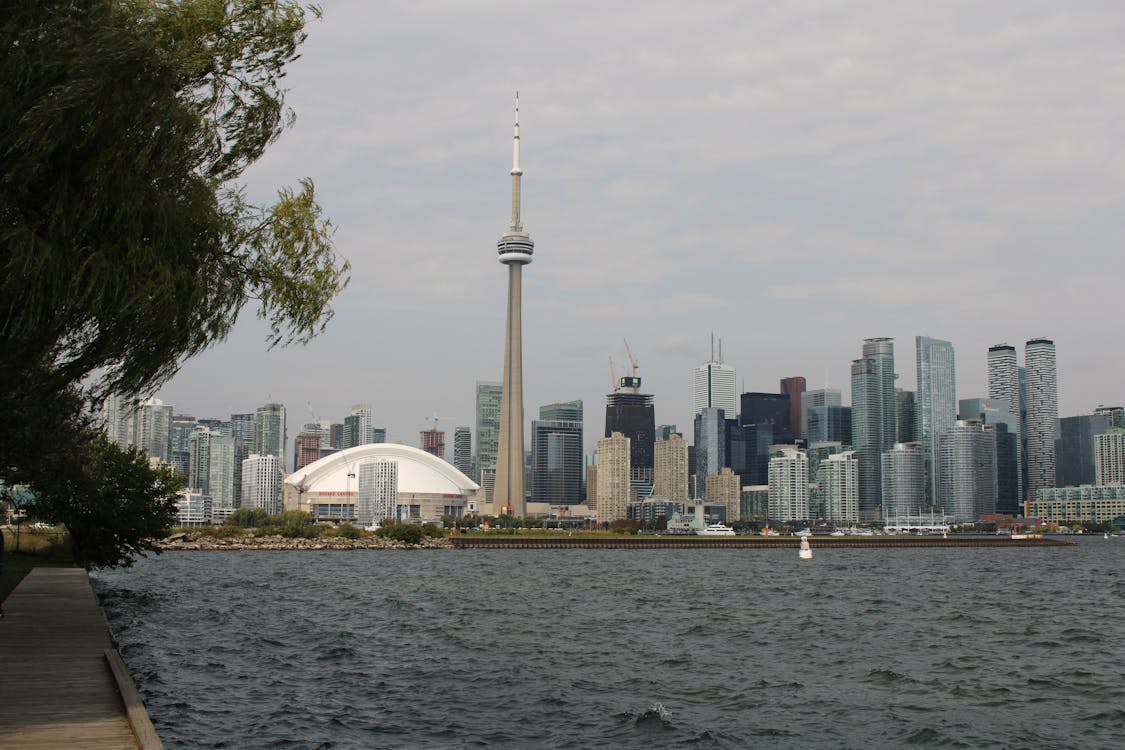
column 514, row 248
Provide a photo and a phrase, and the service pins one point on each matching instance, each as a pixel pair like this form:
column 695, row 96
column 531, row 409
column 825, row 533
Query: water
column 1012, row 648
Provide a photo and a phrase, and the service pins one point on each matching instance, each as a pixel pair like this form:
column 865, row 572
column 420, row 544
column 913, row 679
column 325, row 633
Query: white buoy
column 806, row 550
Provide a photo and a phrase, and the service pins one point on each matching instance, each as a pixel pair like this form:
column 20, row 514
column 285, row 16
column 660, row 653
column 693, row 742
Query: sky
column 792, row 177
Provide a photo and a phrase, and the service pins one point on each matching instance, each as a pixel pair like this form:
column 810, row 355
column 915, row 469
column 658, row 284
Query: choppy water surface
column 628, row 648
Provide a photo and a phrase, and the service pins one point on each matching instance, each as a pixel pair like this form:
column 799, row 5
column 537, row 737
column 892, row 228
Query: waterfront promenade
column 63, row 683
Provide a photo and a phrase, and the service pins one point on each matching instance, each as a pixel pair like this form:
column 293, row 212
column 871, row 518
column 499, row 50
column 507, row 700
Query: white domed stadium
column 397, row 481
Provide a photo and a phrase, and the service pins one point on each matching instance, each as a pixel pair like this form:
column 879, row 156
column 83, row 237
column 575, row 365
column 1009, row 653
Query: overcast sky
column 794, row 177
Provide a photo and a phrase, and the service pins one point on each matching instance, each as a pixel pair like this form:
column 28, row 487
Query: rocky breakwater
column 205, row 542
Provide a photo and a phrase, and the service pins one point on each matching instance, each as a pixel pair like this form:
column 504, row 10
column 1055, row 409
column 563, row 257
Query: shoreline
column 278, row 543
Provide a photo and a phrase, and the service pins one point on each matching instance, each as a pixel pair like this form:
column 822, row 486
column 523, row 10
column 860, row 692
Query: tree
column 111, row 501
column 249, row 518
column 126, row 243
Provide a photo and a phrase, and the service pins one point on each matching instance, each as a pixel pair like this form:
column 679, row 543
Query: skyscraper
column 614, row 488
column 789, row 484
column 670, row 471
column 967, row 470
column 794, row 388
column 724, row 489
column 261, row 483
column 1075, row 462
column 377, row 491
column 773, row 409
column 904, row 480
column 220, row 484
column 154, row 429
column 1005, row 426
column 1042, row 413
column 433, row 442
column 463, row 450
column 818, row 397
column 874, row 422
column 1109, row 457
column 631, row 413
column 829, row 424
column 199, row 459
column 359, row 426
column 1004, row 385
column 514, row 248
column 119, row 420
column 936, row 399
column 715, row 387
column 306, row 449
column 837, row 480
column 488, row 434
column 556, row 455
column 710, row 444
column 269, row 432
column 906, row 405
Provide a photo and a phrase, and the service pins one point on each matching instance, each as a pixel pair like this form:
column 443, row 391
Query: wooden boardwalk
column 57, row 683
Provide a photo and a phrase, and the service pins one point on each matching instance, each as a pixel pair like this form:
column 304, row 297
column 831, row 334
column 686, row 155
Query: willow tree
column 127, row 243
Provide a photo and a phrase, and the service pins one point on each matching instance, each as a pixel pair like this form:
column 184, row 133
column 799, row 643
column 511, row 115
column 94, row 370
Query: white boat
column 716, row 529
column 806, row 550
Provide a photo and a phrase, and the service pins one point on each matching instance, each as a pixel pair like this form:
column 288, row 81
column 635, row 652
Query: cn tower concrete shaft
column 509, row 492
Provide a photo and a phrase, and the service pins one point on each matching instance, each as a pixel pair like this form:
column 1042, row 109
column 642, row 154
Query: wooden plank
column 58, row 690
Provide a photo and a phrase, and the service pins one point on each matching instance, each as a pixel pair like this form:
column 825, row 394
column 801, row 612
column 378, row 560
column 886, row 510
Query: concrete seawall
column 742, row 542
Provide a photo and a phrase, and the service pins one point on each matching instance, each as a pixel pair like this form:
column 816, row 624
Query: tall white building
column 119, row 420
column 716, row 387
column 221, row 473
column 1109, row 457
column 1042, row 413
column 789, row 484
column 614, row 469
column 837, row 479
column 936, row 398
column 261, row 483
column 904, row 481
column 154, row 429
column 270, row 434
column 377, row 497
column 1004, row 385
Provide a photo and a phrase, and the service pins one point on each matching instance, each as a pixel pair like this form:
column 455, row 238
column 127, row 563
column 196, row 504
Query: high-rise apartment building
column 270, row 435
column 199, row 459
column 716, row 388
column 377, row 493
column 904, row 481
column 1005, row 384
column 1042, row 413
column 556, row 458
column 1115, row 414
column 874, row 421
column 182, row 427
column 1005, row 426
column 154, row 429
column 564, row 411
column 936, row 398
column 725, row 489
column 221, row 473
column 794, row 388
column 487, row 428
column 789, row 484
column 670, row 480
column 119, row 420
column 463, row 450
column 967, row 470
column 837, row 481
column 1109, row 457
column 614, row 470
column 261, row 483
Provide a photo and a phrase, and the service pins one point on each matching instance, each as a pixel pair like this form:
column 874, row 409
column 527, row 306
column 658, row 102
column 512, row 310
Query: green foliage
column 111, row 501
column 432, row 530
column 221, row 532
column 248, row 518
column 126, row 244
column 347, row 531
column 401, row 532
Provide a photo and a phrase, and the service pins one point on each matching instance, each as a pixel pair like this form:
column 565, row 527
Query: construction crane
column 435, row 419
column 613, row 384
column 632, row 359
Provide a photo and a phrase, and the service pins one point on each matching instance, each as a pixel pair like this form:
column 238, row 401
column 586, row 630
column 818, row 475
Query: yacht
column 716, row 529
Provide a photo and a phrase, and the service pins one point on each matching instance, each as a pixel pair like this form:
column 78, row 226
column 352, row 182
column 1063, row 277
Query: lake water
column 1012, row 648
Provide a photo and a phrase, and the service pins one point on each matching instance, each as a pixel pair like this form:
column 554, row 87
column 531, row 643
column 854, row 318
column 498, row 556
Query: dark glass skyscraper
column 773, row 409
column 631, row 413
column 874, row 419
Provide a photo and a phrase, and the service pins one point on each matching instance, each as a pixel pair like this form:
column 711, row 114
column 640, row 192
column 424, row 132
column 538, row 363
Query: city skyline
column 735, row 154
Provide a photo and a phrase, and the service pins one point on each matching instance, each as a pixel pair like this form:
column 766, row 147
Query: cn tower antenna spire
column 517, row 172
